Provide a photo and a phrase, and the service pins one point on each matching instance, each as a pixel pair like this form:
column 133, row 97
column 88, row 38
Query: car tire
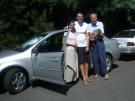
column 109, row 62
column 15, row 81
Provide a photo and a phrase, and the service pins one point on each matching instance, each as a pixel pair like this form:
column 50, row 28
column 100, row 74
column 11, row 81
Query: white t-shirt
column 99, row 25
column 71, row 39
column 81, row 34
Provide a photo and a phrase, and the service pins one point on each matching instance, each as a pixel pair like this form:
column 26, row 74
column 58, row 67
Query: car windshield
column 30, row 42
column 125, row 34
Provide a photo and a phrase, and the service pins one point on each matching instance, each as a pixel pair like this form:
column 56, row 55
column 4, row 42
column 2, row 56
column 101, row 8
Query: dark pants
column 99, row 57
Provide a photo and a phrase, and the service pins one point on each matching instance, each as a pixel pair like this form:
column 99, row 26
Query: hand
column 75, row 44
column 66, row 27
column 87, row 49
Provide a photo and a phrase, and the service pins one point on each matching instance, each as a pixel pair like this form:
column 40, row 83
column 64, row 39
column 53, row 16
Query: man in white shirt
column 82, row 39
column 98, row 49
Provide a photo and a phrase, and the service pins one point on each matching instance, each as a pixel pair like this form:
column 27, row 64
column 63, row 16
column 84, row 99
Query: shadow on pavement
column 114, row 66
column 128, row 57
column 2, row 90
column 50, row 86
column 54, row 87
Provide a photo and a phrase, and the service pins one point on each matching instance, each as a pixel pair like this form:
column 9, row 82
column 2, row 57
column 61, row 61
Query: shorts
column 83, row 57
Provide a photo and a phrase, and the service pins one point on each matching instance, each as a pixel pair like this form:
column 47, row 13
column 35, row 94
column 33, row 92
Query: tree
column 116, row 14
column 20, row 19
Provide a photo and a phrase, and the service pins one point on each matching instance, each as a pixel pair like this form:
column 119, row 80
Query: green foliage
column 3, row 25
column 39, row 25
column 20, row 19
column 71, row 3
column 128, row 4
column 9, row 41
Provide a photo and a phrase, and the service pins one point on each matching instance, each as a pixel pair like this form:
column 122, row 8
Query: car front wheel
column 15, row 81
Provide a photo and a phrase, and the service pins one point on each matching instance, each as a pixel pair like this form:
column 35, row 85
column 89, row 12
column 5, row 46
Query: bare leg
column 86, row 70
column 82, row 68
column 83, row 72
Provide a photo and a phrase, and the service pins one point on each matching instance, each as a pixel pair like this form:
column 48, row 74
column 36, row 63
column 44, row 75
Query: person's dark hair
column 70, row 21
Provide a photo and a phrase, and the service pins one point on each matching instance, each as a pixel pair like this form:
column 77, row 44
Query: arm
column 88, row 42
column 101, row 28
column 87, row 38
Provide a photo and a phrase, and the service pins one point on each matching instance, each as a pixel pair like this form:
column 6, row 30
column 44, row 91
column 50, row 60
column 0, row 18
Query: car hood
column 6, row 53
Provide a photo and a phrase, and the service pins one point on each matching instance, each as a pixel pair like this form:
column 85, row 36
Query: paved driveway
column 121, row 87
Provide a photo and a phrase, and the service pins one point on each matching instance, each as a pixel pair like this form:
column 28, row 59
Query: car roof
column 55, row 31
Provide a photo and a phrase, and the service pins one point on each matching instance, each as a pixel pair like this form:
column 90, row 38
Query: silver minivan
column 41, row 58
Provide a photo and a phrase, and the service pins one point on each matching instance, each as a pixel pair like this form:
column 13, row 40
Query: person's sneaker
column 106, row 77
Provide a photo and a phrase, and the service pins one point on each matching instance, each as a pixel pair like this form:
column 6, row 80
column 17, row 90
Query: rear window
column 125, row 34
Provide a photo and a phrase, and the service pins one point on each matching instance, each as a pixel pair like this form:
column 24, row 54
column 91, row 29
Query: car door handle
column 55, row 59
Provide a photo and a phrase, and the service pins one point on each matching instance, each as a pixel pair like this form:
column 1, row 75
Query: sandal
column 85, row 83
column 89, row 79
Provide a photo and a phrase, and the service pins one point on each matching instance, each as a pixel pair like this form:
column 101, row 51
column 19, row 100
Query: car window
column 52, row 44
column 125, row 34
column 30, row 42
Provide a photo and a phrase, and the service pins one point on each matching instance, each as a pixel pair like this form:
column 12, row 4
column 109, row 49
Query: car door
column 49, row 60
